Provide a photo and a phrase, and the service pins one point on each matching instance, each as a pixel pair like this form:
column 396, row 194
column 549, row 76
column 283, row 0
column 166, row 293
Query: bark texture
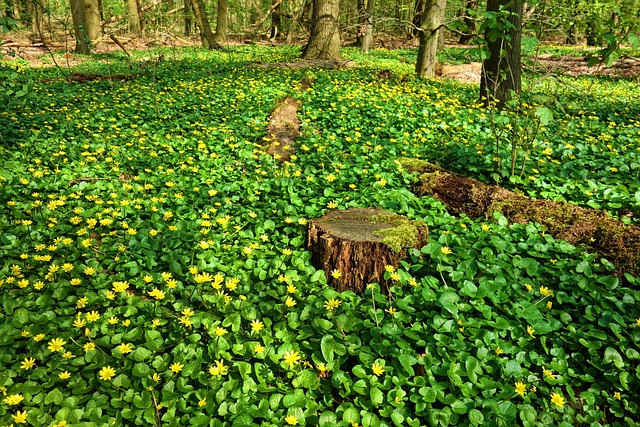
column 93, row 19
column 502, row 70
column 324, row 41
column 221, row 21
column 430, row 20
column 353, row 242
column 207, row 36
column 80, row 26
column 134, row 16
column 593, row 229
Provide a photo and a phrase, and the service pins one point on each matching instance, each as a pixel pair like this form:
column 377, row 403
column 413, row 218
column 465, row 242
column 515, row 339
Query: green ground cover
column 152, row 268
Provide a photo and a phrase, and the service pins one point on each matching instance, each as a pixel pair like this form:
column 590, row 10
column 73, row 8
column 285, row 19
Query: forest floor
column 24, row 46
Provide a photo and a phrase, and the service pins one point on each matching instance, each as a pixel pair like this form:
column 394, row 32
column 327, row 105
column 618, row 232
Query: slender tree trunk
column 276, row 21
column 17, row 10
column 416, row 20
column 80, row 26
column 134, row 16
column 360, row 28
column 208, row 39
column 502, row 70
column 367, row 38
column 324, row 41
column 93, row 20
column 221, row 21
column 430, row 23
column 35, row 10
column 188, row 22
column 3, row 11
column 470, row 32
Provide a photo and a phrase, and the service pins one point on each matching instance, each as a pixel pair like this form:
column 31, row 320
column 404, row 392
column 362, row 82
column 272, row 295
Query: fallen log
column 592, row 229
column 283, row 128
column 354, row 246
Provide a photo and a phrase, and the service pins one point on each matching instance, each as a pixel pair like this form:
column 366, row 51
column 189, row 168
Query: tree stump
column 353, row 246
column 283, row 129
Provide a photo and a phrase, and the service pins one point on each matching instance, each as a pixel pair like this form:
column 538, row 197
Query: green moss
column 413, row 165
column 401, row 237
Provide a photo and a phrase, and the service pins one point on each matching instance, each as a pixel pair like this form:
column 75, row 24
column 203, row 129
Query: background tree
column 221, row 21
column 431, row 24
column 80, row 26
column 470, row 24
column 135, row 21
column 324, row 40
column 206, row 35
column 502, row 69
column 93, row 19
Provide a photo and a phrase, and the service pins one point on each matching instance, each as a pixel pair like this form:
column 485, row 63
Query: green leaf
column 448, row 301
column 545, row 115
column 306, row 379
column 351, row 416
column 611, row 355
column 476, row 417
column 376, row 396
column 327, row 345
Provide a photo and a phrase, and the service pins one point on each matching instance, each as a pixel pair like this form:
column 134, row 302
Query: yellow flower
column 530, row 331
column 389, row 268
column 549, row 305
column 88, row 347
column 176, row 367
column 377, row 369
column 557, row 399
column 93, row 316
column 545, row 292
column 157, row 294
column 332, row 304
column 125, row 348
column 56, row 344
column 258, row 349
column 89, row 271
column 20, row 417
column 291, row 420
column 290, row 302
column 79, row 323
column 220, row 331
column 156, row 377
column 616, row 395
column 64, row 375
column 106, row 373
column 637, row 322
column 499, row 351
column 292, row 289
column 291, row 357
column 548, row 373
column 485, row 227
column 391, row 310
column 287, row 252
column 202, row 402
column 445, row 250
column 520, row 388
column 14, row 399
column 218, row 368
column 256, row 325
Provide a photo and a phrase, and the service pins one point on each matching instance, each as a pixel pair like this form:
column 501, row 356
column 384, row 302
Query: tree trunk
column 92, row 16
column 469, row 23
column 80, row 27
column 221, row 21
column 134, row 16
column 367, row 38
column 502, row 70
column 275, row 31
column 595, row 229
column 324, row 41
column 416, row 20
column 208, row 39
column 360, row 28
column 354, row 246
column 429, row 23
column 17, row 10
column 188, row 23
column 35, row 10
column 3, row 10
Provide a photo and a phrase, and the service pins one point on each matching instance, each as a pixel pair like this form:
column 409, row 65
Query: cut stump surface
column 359, row 243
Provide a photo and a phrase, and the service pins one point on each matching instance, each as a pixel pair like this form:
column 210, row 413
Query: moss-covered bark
column 593, row 229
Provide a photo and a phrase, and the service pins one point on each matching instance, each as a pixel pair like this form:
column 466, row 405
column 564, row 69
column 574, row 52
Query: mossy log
column 593, row 229
column 359, row 243
column 283, row 129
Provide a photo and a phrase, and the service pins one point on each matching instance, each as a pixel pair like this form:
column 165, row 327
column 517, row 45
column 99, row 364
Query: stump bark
column 359, row 243
column 593, row 229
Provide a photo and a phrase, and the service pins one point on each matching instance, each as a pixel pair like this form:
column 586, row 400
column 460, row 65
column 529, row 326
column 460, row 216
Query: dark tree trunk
column 324, row 41
column 276, row 21
column 591, row 34
column 502, row 70
column 418, row 8
column 470, row 24
column 188, row 22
